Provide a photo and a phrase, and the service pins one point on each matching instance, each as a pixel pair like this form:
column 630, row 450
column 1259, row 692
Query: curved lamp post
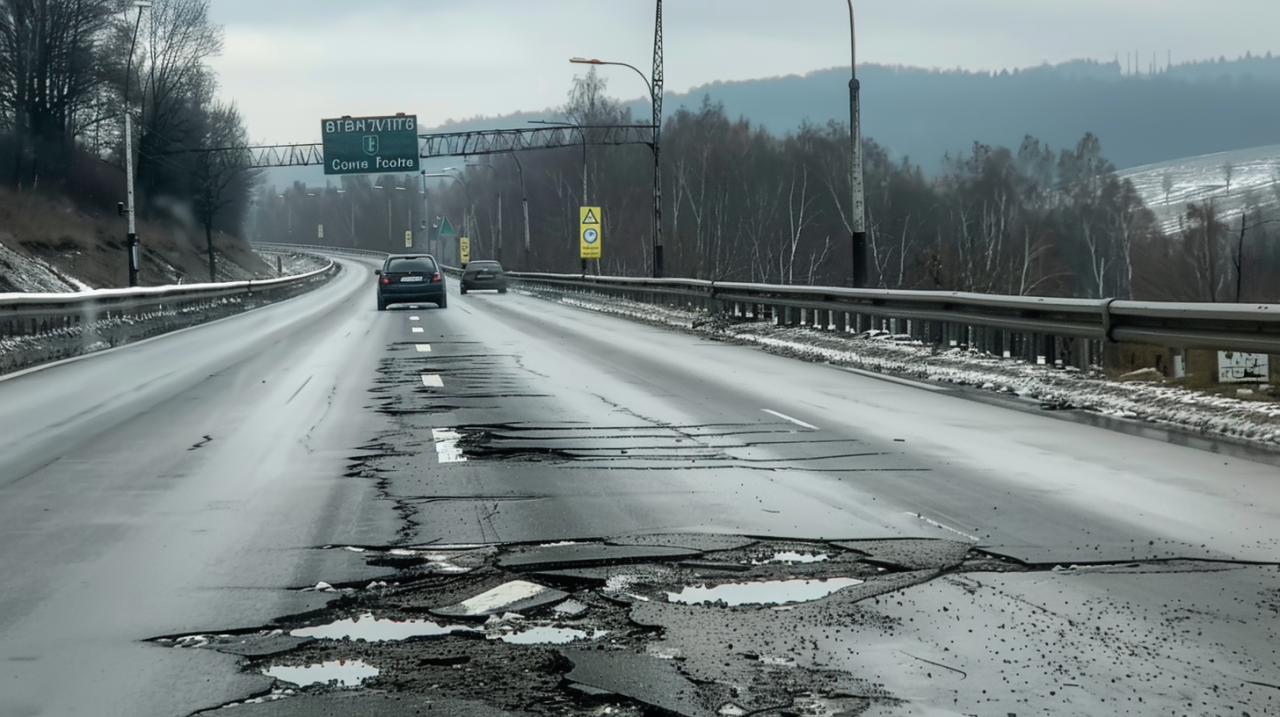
column 657, row 171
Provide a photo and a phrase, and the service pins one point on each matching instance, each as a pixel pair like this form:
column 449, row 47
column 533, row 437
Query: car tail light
column 435, row 277
column 386, row 280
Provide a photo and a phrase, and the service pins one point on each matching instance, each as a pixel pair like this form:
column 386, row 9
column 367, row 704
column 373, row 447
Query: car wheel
column 463, row 290
column 502, row 291
column 382, row 305
column 443, row 302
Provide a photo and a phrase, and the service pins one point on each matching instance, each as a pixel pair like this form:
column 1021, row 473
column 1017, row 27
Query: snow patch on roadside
column 1255, row 422
column 292, row 263
column 21, row 273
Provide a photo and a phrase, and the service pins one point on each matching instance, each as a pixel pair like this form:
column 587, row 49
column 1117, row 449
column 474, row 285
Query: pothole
column 341, row 673
column 512, row 628
column 792, row 556
column 770, row 592
column 371, row 629
column 551, row 636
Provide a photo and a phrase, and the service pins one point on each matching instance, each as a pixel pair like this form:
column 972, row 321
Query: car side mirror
column 377, row 272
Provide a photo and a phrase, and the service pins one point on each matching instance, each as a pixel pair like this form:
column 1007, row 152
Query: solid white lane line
column 936, row 524
column 796, row 421
column 447, row 450
column 418, row 329
column 431, row 380
column 424, row 348
column 894, row 379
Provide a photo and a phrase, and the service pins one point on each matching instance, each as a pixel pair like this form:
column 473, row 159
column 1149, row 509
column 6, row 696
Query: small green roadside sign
column 370, row 145
column 446, row 229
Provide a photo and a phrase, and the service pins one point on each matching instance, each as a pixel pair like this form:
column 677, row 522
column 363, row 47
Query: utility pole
column 655, row 88
column 131, row 238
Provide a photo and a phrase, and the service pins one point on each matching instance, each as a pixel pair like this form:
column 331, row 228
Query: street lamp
column 443, row 174
column 524, row 203
column 351, row 226
column 131, row 239
column 857, row 222
column 391, row 237
column 497, row 253
column 657, row 165
column 288, row 207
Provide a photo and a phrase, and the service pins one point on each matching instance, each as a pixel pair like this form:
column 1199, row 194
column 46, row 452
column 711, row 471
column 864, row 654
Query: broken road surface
column 579, row 514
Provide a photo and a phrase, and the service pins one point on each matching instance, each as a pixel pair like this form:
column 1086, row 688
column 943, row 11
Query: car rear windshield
column 415, row 265
column 484, row 266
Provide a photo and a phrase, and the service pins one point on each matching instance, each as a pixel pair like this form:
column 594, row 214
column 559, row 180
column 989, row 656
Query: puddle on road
column 772, row 592
column 346, row 673
column 794, row 557
column 370, row 629
column 551, row 636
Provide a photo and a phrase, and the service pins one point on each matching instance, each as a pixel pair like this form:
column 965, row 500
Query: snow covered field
column 1251, row 422
column 1255, row 180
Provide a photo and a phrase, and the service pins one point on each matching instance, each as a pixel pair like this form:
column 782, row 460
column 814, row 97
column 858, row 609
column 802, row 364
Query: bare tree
column 223, row 175
column 177, row 87
column 798, row 217
column 49, row 78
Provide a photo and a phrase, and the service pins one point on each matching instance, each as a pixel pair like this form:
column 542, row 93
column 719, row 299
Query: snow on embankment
column 1247, row 421
column 21, row 274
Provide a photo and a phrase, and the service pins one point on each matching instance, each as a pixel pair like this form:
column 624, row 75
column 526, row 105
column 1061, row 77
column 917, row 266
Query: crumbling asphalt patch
column 596, row 620
column 593, row 627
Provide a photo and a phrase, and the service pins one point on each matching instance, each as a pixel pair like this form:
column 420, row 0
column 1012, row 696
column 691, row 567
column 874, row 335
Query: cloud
column 290, row 62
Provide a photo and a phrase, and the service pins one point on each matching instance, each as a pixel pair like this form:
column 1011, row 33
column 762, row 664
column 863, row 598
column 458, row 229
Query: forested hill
column 1180, row 111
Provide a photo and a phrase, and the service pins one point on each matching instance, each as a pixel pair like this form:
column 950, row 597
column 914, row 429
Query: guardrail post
column 1080, row 353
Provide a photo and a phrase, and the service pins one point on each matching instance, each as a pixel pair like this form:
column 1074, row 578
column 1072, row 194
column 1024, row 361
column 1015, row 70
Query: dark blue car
column 410, row 279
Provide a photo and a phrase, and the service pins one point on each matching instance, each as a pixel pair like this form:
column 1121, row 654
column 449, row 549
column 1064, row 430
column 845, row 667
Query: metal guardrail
column 1054, row 329
column 32, row 314
column 320, row 250
column 1072, row 330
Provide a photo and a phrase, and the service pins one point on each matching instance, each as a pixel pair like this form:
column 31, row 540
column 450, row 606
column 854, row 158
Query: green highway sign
column 370, row 145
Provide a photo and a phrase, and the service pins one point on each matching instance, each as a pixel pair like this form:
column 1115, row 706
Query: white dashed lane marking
column 936, row 524
column 418, row 329
column 431, row 380
column 423, row 348
column 796, row 421
column 415, row 318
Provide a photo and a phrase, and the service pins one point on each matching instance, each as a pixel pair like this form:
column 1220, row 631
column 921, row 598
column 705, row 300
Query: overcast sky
column 290, row 63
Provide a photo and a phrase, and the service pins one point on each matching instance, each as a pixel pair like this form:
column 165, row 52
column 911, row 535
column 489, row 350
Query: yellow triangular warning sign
column 590, row 218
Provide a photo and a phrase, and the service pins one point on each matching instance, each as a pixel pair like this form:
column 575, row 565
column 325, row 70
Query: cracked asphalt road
column 1005, row 563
